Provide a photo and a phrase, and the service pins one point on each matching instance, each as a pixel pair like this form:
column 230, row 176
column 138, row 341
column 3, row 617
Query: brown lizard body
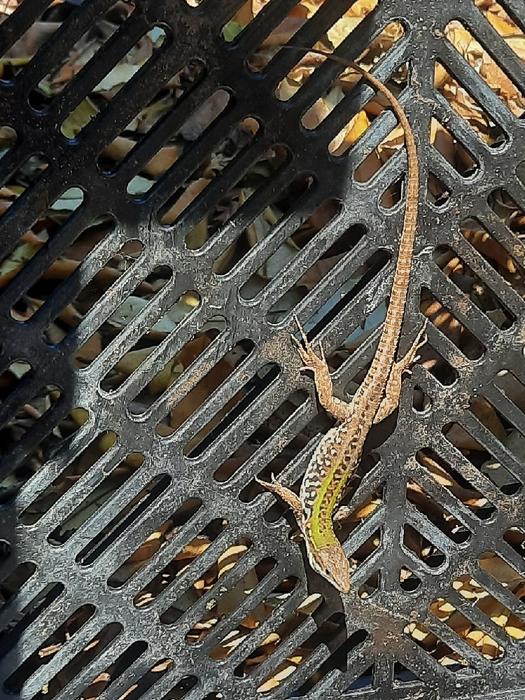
column 339, row 451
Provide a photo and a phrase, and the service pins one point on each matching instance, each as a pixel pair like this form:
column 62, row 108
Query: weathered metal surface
column 382, row 660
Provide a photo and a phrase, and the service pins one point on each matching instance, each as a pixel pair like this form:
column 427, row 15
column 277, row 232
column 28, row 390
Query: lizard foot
column 323, row 380
column 342, row 514
column 287, row 495
column 311, row 359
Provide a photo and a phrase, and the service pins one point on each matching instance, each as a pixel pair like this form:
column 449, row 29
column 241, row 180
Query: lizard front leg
column 287, row 495
column 323, row 380
column 393, row 387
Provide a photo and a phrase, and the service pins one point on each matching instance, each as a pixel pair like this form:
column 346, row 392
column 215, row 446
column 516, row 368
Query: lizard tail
column 386, row 349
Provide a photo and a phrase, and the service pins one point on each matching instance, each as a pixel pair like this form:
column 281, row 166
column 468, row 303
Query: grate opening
column 11, row 585
column 186, row 558
column 446, row 656
column 132, row 358
column 129, row 310
column 423, row 548
column 409, row 582
column 244, row 584
column 498, row 613
column 182, row 688
column 454, row 267
column 438, row 193
column 333, row 628
column 445, row 321
column 113, row 81
column 240, row 141
column 78, row 302
column 494, row 77
column 19, row 53
column 92, row 650
column 105, row 679
column 344, row 294
column 479, row 455
column 442, row 518
column 55, row 438
column 11, row 632
column 155, row 541
column 102, row 492
column 494, row 252
column 52, row 645
column 453, row 151
column 179, row 143
column 291, row 249
column 176, row 187
column 69, row 477
column 83, row 51
column 456, row 482
column 278, row 635
column 142, row 130
column 503, row 573
column 257, row 443
column 266, row 609
column 118, row 526
column 474, row 636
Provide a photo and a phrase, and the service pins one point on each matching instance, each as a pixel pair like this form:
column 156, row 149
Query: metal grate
column 148, row 380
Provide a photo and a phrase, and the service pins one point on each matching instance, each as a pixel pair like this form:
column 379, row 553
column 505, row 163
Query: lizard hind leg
column 322, row 377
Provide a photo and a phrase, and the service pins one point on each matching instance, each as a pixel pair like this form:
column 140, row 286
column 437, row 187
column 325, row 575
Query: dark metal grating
column 112, row 507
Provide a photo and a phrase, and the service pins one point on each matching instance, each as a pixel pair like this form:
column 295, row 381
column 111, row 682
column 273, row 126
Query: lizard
column 338, row 452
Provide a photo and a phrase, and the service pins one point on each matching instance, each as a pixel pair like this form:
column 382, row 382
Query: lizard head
column 332, row 564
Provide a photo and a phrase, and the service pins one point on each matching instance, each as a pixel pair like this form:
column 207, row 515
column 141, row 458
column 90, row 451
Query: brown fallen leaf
column 119, row 148
column 150, row 546
column 287, row 28
column 465, row 495
column 443, row 319
column 284, row 670
column 488, row 247
column 32, row 39
column 191, row 192
column 486, row 414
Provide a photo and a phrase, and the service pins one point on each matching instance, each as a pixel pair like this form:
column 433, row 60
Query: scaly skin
column 339, row 451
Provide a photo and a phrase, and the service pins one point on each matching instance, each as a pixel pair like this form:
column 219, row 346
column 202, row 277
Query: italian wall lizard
column 338, row 452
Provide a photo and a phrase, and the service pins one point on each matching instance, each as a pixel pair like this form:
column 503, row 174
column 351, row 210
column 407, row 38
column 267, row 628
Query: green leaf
column 21, row 254
column 231, row 30
column 118, row 76
column 79, row 118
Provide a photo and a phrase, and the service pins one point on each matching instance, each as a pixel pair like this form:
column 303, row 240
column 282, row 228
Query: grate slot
column 176, row 186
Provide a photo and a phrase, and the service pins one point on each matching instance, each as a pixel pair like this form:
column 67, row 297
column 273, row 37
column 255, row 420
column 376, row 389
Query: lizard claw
column 301, row 330
column 421, row 340
column 311, row 360
column 266, row 484
column 298, row 344
column 286, row 494
column 303, row 346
